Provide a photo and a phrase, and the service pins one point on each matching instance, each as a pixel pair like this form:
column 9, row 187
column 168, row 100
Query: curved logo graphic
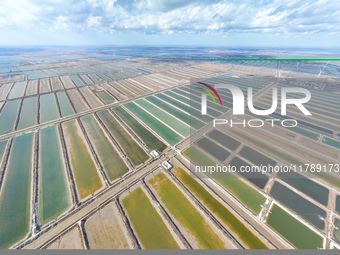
column 213, row 90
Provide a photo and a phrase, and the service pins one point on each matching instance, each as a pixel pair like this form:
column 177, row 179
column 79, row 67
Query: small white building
column 34, row 229
column 166, row 165
column 154, row 154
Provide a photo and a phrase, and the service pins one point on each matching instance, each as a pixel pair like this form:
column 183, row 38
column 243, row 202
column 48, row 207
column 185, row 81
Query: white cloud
column 18, row 13
column 93, row 21
column 61, row 23
column 173, row 16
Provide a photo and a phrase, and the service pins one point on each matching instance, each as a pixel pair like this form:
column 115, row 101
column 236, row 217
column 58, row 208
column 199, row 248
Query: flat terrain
column 150, row 139
column 186, row 214
column 83, row 166
column 147, row 223
column 81, row 129
column 112, row 162
column 244, row 234
column 71, row 240
column 136, row 154
column 250, row 197
column 15, row 199
column 294, row 231
column 105, row 230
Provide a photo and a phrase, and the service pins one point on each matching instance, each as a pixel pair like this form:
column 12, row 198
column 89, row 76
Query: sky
column 239, row 23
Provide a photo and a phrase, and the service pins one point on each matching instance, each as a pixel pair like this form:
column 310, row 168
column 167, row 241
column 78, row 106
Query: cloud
column 61, row 23
column 173, row 16
column 93, row 21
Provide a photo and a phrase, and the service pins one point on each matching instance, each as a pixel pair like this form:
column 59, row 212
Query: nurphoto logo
column 239, row 104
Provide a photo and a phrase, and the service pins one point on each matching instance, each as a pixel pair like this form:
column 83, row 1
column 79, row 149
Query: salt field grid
column 48, row 108
column 306, row 209
column 292, row 153
column 290, row 228
column 28, row 114
column 94, row 137
column 108, row 154
column 200, row 231
column 90, row 97
column 82, row 162
column 298, row 184
column 77, row 81
column 77, row 100
column 238, row 190
column 18, row 90
column 152, row 232
column 326, row 121
column 44, row 85
column 250, row 197
column 221, row 154
column 167, row 133
column 136, row 154
column 243, row 234
column 275, row 134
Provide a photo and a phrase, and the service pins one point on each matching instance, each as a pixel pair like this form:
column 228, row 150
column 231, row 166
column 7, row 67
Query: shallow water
column 8, row 116
column 135, row 153
column 15, row 196
column 86, row 79
column 109, row 157
column 28, row 115
column 18, row 90
column 76, row 81
column 307, row 186
column 165, row 117
column 293, row 230
column 306, row 209
column 64, row 104
column 48, row 108
column 166, row 133
column 148, row 138
column 54, row 195
column 105, row 97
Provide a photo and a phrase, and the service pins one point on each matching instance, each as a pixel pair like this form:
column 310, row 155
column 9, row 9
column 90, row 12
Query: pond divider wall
column 9, row 91
column 71, row 181
column 49, row 84
column 18, row 115
column 38, row 86
column 58, row 106
column 249, row 225
column 83, row 234
column 95, row 156
column 37, row 117
column 81, row 95
column 26, row 87
column 61, row 82
column 215, row 221
column 130, row 131
column 35, row 177
column 126, row 223
column 116, row 144
column 4, row 162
